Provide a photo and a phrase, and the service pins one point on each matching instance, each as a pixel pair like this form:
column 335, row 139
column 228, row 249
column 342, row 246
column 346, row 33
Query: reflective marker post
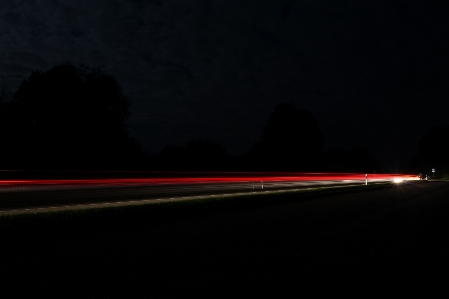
column 366, row 179
column 433, row 172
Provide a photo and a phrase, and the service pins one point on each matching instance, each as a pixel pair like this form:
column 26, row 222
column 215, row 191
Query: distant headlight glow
column 397, row 180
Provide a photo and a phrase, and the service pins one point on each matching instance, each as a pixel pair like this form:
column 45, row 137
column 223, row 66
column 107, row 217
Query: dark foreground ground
column 393, row 241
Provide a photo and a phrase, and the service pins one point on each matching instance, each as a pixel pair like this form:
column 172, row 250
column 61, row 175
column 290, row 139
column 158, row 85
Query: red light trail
column 216, row 177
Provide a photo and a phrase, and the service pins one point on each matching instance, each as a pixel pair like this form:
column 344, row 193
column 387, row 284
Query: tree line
column 70, row 117
column 433, row 154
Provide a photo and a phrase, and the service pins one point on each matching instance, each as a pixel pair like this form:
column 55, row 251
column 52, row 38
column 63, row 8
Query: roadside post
column 366, row 179
column 433, row 172
column 262, row 184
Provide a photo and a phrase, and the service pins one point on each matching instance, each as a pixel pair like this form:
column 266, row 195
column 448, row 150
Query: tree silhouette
column 434, row 150
column 358, row 159
column 68, row 117
column 4, row 92
column 195, row 155
column 291, row 141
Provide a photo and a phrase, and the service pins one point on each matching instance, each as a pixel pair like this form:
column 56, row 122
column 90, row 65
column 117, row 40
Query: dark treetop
column 64, row 118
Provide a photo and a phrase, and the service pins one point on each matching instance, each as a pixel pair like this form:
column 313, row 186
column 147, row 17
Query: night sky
column 374, row 73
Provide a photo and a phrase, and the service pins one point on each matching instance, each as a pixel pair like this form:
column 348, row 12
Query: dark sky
column 374, row 73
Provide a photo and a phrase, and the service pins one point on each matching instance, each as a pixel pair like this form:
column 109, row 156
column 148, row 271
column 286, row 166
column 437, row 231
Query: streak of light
column 202, row 178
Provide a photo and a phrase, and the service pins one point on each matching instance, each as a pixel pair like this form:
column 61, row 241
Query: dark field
column 392, row 241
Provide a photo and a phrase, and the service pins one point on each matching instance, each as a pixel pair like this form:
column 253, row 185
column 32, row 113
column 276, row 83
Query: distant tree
column 292, row 140
column 358, row 159
column 434, row 151
column 195, row 155
column 414, row 166
column 5, row 95
column 4, row 91
column 363, row 161
column 204, row 154
column 169, row 158
column 69, row 117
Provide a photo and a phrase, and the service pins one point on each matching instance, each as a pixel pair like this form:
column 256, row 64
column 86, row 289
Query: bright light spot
column 397, row 180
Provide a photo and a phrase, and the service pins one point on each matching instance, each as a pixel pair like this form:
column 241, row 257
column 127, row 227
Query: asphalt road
column 35, row 197
column 389, row 242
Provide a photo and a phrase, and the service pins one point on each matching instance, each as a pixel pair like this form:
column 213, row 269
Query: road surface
column 383, row 242
column 37, row 194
